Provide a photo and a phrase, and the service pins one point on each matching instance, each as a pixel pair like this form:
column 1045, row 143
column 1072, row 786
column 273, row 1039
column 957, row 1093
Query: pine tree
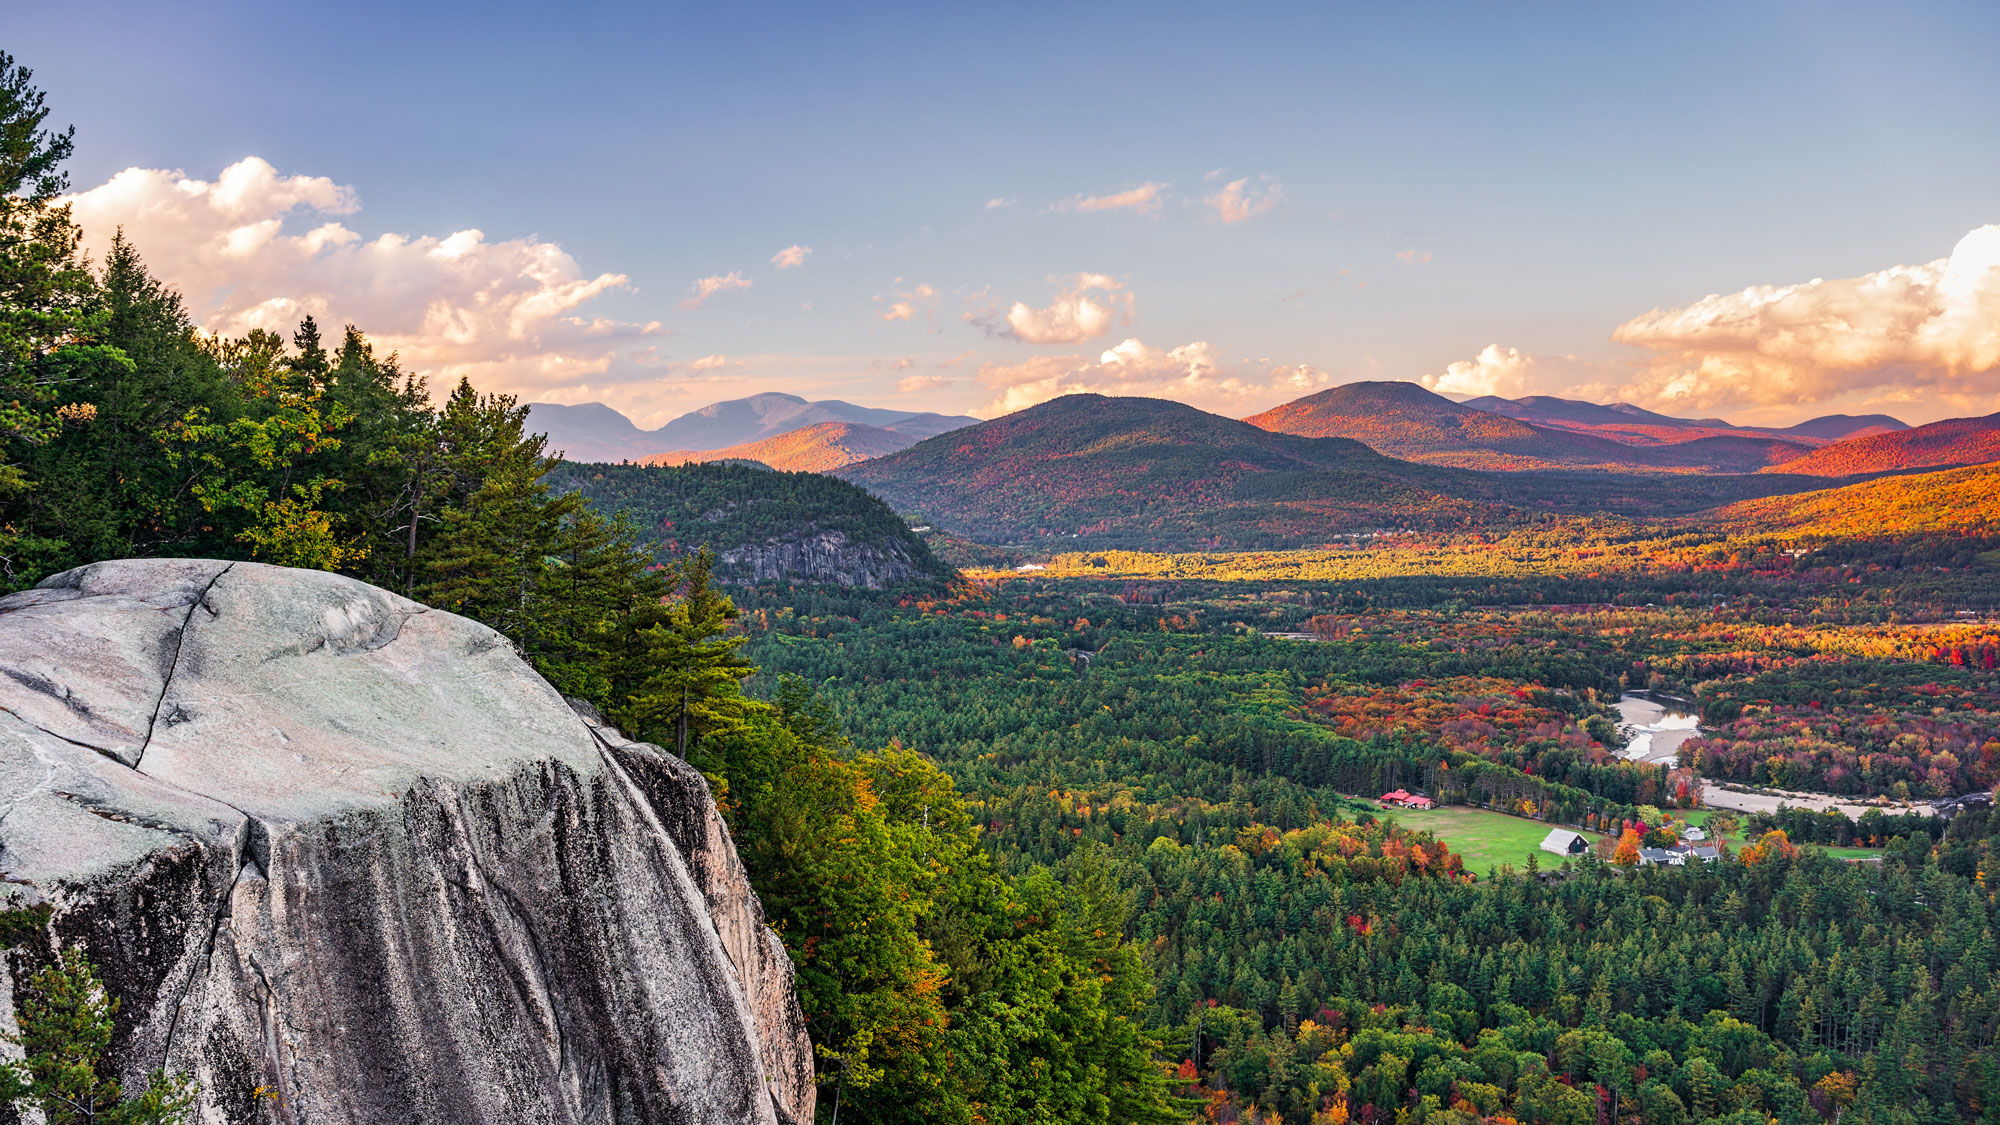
column 490, row 559
column 65, row 1022
column 695, row 689
column 47, row 299
column 309, row 367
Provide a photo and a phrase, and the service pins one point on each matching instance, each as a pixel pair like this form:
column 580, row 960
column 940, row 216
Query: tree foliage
column 65, row 1021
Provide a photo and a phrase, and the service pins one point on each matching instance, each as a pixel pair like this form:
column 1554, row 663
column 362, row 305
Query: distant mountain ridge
column 1138, row 469
column 1622, row 421
column 1954, row 441
column 1840, row 427
column 1550, row 410
column 596, row 432
column 817, row 448
column 1405, row 420
column 1149, row 472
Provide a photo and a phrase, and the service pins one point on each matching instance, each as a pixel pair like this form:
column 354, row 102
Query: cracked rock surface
column 347, row 859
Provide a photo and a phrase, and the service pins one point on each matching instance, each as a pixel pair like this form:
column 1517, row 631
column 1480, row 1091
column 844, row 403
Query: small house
column 1653, row 857
column 1400, row 798
column 1563, row 842
column 1695, row 834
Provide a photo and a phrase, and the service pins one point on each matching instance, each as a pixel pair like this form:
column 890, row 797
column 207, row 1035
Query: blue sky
column 1421, row 186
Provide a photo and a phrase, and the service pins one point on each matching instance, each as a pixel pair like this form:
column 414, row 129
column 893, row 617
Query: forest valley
column 1084, row 844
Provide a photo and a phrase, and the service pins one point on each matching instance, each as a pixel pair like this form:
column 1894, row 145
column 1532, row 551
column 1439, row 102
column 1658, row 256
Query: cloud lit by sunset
column 1359, row 210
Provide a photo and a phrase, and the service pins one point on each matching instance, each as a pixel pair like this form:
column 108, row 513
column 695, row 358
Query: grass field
column 1484, row 839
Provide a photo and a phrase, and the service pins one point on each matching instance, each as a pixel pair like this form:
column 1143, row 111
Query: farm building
column 1562, row 841
column 1400, row 798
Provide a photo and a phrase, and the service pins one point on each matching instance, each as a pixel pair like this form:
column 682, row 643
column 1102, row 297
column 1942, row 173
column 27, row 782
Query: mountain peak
column 595, row 432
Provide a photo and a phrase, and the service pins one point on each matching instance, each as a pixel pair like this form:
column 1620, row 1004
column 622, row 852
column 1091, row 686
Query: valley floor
column 1209, row 731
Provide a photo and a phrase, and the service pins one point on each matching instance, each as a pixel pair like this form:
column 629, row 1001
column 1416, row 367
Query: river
column 1654, row 730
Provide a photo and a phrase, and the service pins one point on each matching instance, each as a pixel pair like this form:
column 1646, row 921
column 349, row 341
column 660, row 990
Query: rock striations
column 349, row 860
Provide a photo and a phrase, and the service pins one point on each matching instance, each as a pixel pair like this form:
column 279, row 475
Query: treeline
column 1956, row 837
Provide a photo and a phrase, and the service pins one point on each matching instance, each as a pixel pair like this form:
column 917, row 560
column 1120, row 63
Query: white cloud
column 909, row 304
column 707, row 363
column 1238, row 202
column 1923, row 332
column 707, row 287
column 1085, row 309
column 1494, row 371
column 917, row 384
column 257, row 249
column 1414, row 257
column 996, row 203
column 791, row 257
column 1193, row 373
column 1144, row 199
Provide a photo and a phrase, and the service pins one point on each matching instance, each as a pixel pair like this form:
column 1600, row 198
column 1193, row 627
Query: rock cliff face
column 825, row 556
column 347, row 859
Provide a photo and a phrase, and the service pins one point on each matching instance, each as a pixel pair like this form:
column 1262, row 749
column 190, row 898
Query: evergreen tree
column 47, row 301
column 695, row 689
column 65, row 1022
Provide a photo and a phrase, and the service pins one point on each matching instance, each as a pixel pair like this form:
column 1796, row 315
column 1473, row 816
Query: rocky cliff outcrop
column 823, row 556
column 347, row 859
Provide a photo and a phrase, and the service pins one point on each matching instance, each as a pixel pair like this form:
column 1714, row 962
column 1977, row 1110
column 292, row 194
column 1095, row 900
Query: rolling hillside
column 1954, row 441
column 812, row 449
column 1405, row 420
column 1146, row 472
column 1965, row 500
